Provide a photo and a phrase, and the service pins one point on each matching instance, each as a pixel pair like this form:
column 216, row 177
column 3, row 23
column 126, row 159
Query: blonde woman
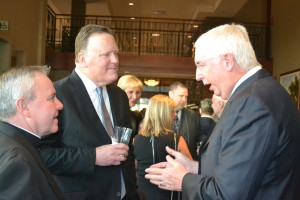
column 149, row 145
column 133, row 88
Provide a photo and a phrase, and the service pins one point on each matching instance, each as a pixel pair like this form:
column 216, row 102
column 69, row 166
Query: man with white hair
column 253, row 152
column 218, row 105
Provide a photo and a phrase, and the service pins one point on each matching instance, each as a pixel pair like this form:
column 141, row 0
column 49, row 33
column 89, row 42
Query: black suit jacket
column 23, row 173
column 207, row 125
column 80, row 132
column 189, row 129
column 253, row 152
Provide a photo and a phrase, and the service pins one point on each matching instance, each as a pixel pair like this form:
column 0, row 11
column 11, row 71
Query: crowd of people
column 56, row 138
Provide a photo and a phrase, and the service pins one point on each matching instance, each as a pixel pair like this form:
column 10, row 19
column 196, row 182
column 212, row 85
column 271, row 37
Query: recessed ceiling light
column 131, row 4
column 132, row 18
column 195, row 26
column 155, row 34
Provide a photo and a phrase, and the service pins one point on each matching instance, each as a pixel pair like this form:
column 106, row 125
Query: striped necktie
column 176, row 123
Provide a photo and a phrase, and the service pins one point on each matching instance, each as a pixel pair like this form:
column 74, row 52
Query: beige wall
column 253, row 11
column 24, row 42
column 285, row 36
column 285, row 31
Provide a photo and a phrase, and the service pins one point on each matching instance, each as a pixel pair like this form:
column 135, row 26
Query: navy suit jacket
column 253, row 152
column 23, row 173
column 70, row 154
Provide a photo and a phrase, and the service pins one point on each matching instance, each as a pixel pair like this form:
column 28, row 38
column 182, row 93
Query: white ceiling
column 176, row 9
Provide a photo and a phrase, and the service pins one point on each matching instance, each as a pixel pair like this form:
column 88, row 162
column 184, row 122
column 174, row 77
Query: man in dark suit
column 27, row 112
column 207, row 122
column 86, row 163
column 187, row 122
column 253, row 152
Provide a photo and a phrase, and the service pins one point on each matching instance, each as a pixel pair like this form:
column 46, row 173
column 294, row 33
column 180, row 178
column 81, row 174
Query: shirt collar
column 89, row 85
column 245, row 77
column 26, row 131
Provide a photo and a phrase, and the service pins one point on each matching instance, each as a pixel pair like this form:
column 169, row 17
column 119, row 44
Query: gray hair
column 206, row 106
column 228, row 38
column 17, row 83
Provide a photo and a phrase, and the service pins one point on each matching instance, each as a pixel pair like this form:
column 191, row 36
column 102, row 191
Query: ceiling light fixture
column 155, row 34
column 131, row 4
column 151, row 81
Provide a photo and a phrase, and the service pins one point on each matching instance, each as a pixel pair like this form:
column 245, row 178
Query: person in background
column 218, row 105
column 82, row 157
column 253, row 152
column 27, row 113
column 207, row 122
column 133, row 88
column 149, row 145
column 187, row 122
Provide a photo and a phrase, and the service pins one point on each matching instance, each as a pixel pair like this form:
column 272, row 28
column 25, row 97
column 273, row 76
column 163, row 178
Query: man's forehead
column 200, row 56
column 180, row 90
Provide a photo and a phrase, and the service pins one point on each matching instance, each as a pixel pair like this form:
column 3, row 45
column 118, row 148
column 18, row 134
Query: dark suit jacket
column 23, row 174
column 207, row 125
column 189, row 129
column 253, row 152
column 80, row 131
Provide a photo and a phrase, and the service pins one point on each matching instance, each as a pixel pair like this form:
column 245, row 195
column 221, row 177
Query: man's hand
column 190, row 165
column 111, row 154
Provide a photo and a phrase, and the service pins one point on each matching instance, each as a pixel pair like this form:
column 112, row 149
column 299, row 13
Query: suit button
column 118, row 194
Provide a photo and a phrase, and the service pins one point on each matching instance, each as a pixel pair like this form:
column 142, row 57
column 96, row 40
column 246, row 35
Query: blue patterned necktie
column 104, row 113
column 176, row 123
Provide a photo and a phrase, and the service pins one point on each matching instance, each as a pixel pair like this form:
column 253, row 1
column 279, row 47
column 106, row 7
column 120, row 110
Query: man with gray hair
column 218, row 104
column 28, row 111
column 206, row 121
column 253, row 152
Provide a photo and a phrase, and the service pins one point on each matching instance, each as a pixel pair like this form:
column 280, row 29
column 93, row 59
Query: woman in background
column 133, row 88
column 149, row 145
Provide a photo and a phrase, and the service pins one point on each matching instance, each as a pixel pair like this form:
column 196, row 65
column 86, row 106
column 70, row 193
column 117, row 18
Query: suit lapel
column 258, row 75
column 85, row 105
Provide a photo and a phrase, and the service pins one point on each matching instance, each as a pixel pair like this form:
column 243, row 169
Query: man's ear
column 229, row 61
column 82, row 59
column 22, row 107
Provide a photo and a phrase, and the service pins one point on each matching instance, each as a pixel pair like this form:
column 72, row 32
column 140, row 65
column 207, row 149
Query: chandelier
column 151, row 81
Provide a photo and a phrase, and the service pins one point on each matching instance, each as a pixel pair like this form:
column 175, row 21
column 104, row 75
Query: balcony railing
column 146, row 36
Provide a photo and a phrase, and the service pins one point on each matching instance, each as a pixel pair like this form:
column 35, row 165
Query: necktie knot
column 99, row 91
